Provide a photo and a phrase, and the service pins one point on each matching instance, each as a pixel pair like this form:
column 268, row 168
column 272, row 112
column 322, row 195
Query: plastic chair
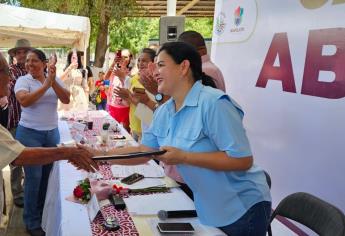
column 318, row 215
column 268, row 179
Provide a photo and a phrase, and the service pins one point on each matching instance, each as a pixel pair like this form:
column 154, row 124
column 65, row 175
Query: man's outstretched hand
column 82, row 159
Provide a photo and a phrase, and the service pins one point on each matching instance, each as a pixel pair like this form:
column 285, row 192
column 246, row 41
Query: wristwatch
column 159, row 97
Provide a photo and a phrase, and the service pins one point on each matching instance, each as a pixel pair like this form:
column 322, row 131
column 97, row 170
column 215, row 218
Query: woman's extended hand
column 123, row 93
column 73, row 65
column 173, row 156
column 122, row 71
column 148, row 81
column 141, row 97
column 50, row 80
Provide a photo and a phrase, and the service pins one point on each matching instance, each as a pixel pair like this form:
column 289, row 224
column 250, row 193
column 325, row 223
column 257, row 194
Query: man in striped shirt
column 19, row 52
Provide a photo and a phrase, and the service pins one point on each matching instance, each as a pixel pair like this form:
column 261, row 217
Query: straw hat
column 20, row 44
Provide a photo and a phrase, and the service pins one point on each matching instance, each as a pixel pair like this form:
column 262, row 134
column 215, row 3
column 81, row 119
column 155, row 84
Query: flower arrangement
column 82, row 191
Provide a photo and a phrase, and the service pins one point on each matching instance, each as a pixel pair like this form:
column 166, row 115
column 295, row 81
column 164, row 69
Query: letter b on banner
column 316, row 62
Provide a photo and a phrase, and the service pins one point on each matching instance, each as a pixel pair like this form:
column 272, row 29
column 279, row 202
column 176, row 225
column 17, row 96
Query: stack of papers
column 149, row 170
column 152, row 203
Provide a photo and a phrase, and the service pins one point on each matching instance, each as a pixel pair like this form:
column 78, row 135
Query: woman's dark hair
column 80, row 64
column 40, row 54
column 150, row 52
column 180, row 51
column 69, row 60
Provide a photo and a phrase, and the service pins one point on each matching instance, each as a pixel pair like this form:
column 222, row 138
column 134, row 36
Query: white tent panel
column 42, row 28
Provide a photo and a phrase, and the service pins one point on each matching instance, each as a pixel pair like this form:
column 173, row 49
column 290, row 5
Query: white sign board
column 284, row 63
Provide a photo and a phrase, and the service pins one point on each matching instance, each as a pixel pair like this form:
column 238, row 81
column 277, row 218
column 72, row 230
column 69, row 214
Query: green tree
column 132, row 33
column 202, row 25
column 124, row 32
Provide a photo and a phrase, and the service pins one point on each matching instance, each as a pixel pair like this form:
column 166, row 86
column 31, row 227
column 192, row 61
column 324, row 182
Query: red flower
column 78, row 192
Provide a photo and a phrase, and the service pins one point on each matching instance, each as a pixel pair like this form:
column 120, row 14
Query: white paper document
column 150, row 170
column 92, row 207
column 152, row 203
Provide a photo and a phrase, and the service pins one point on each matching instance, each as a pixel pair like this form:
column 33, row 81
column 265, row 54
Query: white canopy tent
column 43, row 29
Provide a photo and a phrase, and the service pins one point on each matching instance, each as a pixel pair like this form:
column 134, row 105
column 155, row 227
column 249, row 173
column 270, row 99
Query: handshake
column 81, row 157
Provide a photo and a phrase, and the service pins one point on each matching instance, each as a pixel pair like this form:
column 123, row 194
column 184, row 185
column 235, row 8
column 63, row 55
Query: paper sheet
column 92, row 207
column 150, row 169
column 176, row 200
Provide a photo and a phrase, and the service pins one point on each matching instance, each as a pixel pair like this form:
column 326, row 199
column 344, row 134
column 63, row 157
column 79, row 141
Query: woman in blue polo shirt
column 201, row 130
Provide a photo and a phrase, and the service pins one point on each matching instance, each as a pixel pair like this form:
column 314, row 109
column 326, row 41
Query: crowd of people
column 35, row 143
column 176, row 102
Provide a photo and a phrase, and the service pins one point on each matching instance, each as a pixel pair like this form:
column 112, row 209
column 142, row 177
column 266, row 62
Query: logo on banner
column 220, row 23
column 235, row 20
column 238, row 18
column 238, row 15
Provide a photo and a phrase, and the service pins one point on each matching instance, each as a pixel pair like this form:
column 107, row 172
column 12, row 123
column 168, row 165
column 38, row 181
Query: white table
column 65, row 218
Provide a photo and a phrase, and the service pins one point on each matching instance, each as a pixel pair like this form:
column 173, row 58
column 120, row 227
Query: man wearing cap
column 19, row 52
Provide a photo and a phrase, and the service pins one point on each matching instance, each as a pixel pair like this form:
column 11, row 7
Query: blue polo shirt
column 209, row 121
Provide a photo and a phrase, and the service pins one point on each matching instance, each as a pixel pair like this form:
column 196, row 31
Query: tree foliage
column 202, row 25
column 124, row 32
column 134, row 33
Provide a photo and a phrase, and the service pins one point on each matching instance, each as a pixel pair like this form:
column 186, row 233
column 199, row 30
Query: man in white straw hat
column 19, row 52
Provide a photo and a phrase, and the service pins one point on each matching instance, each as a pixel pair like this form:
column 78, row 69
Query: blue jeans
column 102, row 105
column 253, row 223
column 36, row 176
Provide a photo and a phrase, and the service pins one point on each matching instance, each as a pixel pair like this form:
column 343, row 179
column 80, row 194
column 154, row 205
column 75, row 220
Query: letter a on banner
column 279, row 47
column 316, row 62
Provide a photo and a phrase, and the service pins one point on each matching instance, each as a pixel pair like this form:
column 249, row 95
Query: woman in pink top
column 118, row 77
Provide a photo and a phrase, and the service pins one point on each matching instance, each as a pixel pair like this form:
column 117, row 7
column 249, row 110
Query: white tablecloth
column 65, row 218
column 62, row 217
